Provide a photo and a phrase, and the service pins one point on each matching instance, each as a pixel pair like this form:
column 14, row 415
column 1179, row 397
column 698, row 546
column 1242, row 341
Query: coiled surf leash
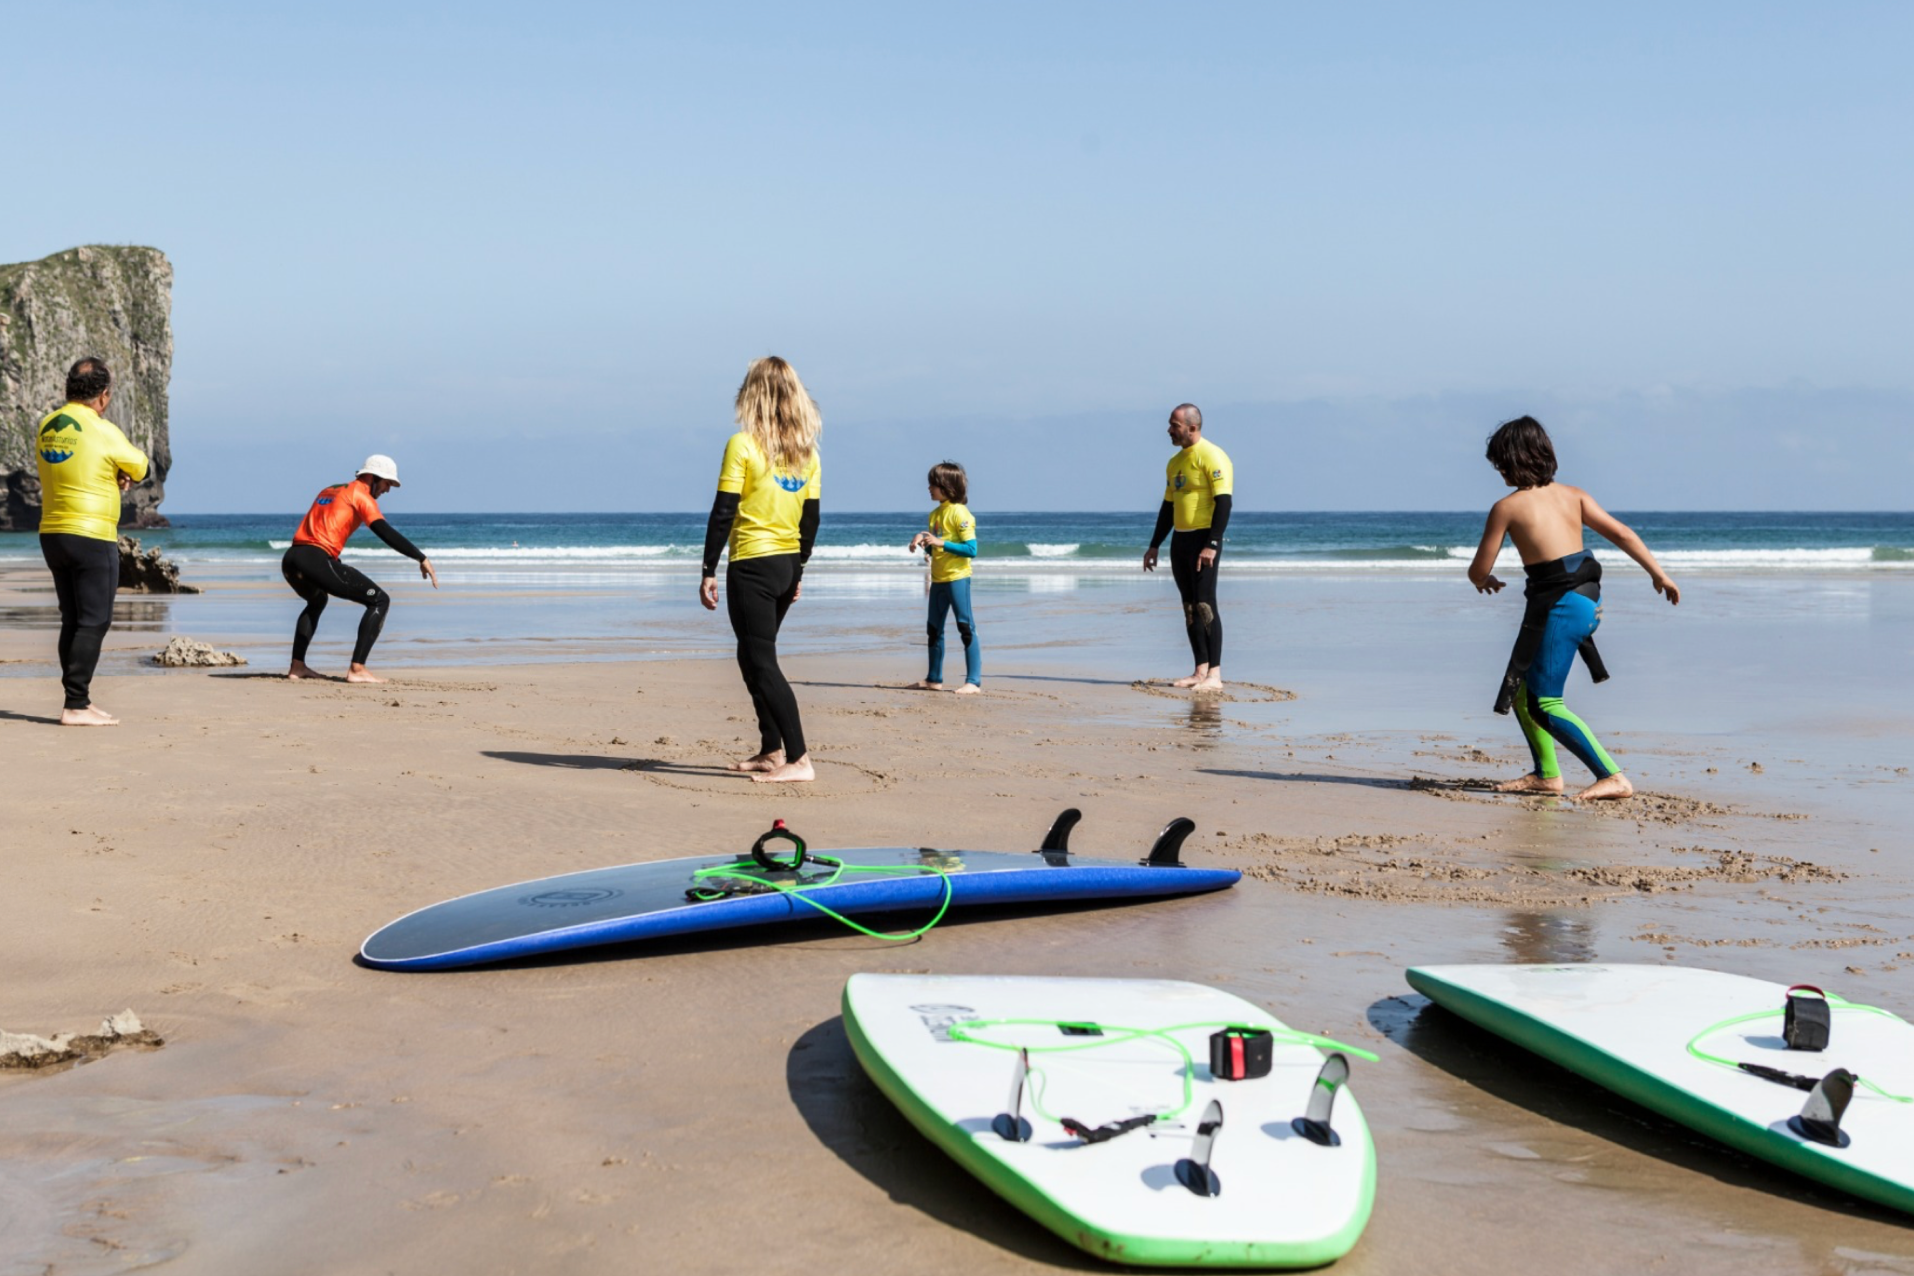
column 1095, row 1036
column 800, row 856
column 1803, row 1010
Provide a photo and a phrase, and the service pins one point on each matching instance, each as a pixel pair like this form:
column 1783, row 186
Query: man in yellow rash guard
column 85, row 464
column 1197, row 494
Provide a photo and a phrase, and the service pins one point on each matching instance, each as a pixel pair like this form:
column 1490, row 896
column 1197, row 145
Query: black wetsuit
column 317, row 576
column 1197, row 588
column 86, row 572
column 757, row 593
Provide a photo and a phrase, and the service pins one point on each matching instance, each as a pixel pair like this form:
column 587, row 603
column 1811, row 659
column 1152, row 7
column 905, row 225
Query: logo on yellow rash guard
column 54, row 453
column 789, row 483
column 1179, row 482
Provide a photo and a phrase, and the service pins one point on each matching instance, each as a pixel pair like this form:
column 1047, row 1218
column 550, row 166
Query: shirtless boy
column 1545, row 520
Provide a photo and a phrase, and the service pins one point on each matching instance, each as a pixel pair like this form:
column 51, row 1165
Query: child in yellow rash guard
column 952, row 544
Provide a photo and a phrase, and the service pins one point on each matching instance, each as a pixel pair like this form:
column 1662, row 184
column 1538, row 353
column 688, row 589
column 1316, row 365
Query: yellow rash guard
column 952, row 523
column 80, row 455
column 770, row 499
column 1194, row 478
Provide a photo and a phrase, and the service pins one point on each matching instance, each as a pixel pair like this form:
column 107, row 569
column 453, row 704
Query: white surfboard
column 1672, row 1039
column 1211, row 1172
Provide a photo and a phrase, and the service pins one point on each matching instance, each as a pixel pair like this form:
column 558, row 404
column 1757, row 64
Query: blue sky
column 529, row 250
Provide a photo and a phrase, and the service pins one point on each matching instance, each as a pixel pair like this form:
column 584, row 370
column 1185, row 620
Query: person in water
column 1545, row 520
column 766, row 513
column 85, row 466
column 952, row 544
column 313, row 569
column 1196, row 502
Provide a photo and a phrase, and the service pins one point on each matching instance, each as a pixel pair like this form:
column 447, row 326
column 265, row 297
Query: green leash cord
column 1835, row 1002
column 966, row 1030
column 839, row 869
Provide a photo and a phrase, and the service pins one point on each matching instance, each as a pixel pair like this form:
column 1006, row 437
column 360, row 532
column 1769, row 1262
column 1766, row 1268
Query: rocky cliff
column 116, row 303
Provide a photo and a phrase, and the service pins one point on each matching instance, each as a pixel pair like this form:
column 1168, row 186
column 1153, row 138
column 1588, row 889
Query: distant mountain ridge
column 113, row 302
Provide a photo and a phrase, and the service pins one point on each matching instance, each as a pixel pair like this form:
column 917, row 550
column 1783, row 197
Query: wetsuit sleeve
column 717, row 529
column 1219, row 520
column 807, row 531
column 387, row 533
column 963, row 549
column 1165, row 517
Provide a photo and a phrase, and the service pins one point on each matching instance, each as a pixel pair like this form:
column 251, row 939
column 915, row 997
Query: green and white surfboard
column 1204, row 1171
column 1674, row 1040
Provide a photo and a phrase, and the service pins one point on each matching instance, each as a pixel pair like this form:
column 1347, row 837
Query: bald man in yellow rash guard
column 85, row 463
column 1197, row 495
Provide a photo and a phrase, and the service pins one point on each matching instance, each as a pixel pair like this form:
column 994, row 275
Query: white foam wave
column 1038, row 550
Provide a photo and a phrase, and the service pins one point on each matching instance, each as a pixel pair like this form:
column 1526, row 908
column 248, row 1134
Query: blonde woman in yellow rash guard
column 766, row 515
column 85, row 463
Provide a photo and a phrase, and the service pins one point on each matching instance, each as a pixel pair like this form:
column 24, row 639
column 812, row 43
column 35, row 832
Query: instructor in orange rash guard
column 313, row 569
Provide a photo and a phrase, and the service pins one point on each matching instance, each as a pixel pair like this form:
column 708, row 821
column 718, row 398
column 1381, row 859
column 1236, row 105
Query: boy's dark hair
column 948, row 478
column 87, row 379
column 1521, row 450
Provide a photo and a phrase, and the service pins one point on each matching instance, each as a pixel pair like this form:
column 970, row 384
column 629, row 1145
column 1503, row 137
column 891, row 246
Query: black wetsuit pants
column 86, row 572
column 1198, row 590
column 757, row 593
column 316, row 576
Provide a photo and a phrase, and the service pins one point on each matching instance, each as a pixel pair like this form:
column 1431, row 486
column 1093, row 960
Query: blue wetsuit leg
column 940, row 602
column 967, row 630
column 1573, row 618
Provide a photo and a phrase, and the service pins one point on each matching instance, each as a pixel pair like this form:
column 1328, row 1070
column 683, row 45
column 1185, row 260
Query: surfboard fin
column 1011, row 1126
column 1169, row 844
column 1313, row 1124
column 1819, row 1120
column 1194, row 1171
column 1058, row 838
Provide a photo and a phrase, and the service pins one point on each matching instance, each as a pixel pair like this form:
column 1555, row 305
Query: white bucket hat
column 381, row 467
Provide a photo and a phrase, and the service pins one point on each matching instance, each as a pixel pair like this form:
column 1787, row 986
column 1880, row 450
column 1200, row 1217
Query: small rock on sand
column 182, row 652
column 25, row 1050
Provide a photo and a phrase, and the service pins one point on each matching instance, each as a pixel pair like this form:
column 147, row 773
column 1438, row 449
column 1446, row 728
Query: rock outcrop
column 149, row 572
column 185, row 653
column 116, row 303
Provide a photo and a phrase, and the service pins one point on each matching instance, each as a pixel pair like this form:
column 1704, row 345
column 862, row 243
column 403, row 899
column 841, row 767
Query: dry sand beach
column 214, row 863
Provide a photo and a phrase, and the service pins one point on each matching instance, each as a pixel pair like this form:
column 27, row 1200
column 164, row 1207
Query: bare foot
column 789, row 773
column 300, row 669
column 969, row 689
column 925, row 685
column 359, row 673
column 1213, row 681
column 1202, row 672
column 91, row 716
column 1531, row 783
column 1608, row 787
column 762, row 762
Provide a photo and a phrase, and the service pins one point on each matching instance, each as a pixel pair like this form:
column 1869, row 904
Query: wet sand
column 214, row 863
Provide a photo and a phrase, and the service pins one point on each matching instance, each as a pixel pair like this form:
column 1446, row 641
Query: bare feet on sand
column 969, row 689
column 300, row 669
column 91, row 716
column 1607, row 788
column 762, row 762
column 1211, row 681
column 359, row 673
column 925, row 685
column 1531, row 783
column 788, row 773
column 1202, row 672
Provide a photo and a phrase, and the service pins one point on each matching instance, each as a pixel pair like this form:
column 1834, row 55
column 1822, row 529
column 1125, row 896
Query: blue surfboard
column 767, row 885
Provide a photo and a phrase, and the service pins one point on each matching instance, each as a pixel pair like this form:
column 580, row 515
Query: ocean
column 1432, row 543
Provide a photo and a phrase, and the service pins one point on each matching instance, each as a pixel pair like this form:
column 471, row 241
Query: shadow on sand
column 1530, row 1082
column 852, row 1118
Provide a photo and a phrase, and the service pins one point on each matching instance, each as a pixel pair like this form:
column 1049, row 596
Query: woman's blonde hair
column 777, row 412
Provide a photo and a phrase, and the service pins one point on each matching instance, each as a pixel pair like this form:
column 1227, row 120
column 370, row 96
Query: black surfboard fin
column 1313, row 1124
column 1194, row 1171
column 1819, row 1120
column 1058, row 838
column 1011, row 1126
column 1168, row 849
